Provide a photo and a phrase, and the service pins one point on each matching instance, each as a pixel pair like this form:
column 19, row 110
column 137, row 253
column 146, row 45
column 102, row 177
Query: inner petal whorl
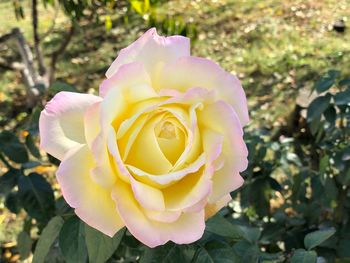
column 171, row 138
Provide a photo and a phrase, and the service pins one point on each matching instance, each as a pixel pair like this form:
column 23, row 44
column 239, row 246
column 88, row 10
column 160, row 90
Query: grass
column 275, row 47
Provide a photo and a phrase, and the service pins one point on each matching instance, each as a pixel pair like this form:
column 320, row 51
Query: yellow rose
column 159, row 150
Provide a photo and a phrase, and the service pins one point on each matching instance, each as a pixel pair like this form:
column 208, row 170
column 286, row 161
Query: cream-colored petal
column 92, row 123
column 188, row 228
column 92, row 203
column 153, row 51
column 129, row 86
column 188, row 72
column 221, row 118
column 61, row 123
column 163, row 216
column 145, row 153
column 164, row 180
column 212, row 209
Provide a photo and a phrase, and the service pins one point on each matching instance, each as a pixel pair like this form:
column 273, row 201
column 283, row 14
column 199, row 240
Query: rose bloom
column 159, row 150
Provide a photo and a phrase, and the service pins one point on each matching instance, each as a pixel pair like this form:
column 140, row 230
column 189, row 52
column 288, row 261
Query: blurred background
column 293, row 59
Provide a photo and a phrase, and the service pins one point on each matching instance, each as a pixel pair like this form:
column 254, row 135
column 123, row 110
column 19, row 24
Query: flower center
column 170, row 138
column 167, row 131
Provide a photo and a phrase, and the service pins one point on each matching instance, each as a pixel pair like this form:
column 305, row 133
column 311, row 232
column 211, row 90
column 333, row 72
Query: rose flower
column 159, row 150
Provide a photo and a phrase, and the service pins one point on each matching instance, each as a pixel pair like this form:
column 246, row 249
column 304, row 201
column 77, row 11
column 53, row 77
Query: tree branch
column 37, row 49
column 59, row 51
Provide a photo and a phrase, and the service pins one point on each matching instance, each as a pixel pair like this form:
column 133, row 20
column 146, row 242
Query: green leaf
column 24, row 244
column 36, row 196
column 343, row 248
column 344, row 82
column 99, row 246
column 168, row 253
column 314, row 239
column 72, row 241
column 246, row 251
column 13, row 203
column 59, row 86
column 330, row 115
column 259, row 197
column 220, row 226
column 9, row 180
column 318, row 106
column 222, row 255
column 342, row 98
column 303, row 256
column 47, row 238
column 12, row 147
column 251, row 234
column 31, row 146
column 324, row 84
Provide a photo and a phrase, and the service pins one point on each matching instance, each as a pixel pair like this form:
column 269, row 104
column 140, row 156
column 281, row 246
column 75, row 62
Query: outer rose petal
column 129, row 86
column 221, row 118
column 91, row 123
column 211, row 209
column 188, row 72
column 187, row 229
column 92, row 203
column 152, row 51
column 61, row 123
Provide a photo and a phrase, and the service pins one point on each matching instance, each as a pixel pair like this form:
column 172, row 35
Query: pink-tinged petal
column 61, row 123
column 122, row 171
column 188, row 228
column 103, row 172
column 212, row 209
column 164, row 180
column 153, row 51
column 92, row 203
column 163, row 216
column 188, row 72
column 131, row 75
column 148, row 197
column 92, row 123
column 125, row 88
column 221, row 118
column 192, row 192
column 188, row 192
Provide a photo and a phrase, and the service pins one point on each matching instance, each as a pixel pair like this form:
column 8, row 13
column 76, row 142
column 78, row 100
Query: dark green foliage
column 99, row 246
column 72, row 241
column 12, row 147
column 47, row 238
column 36, row 196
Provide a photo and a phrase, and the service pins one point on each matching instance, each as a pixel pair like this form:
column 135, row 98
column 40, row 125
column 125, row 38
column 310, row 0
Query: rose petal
column 163, row 216
column 61, row 123
column 212, row 209
column 188, row 72
column 122, row 90
column 145, row 153
column 187, row 229
column 92, row 123
column 221, row 118
column 152, row 51
column 92, row 203
column 167, row 178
